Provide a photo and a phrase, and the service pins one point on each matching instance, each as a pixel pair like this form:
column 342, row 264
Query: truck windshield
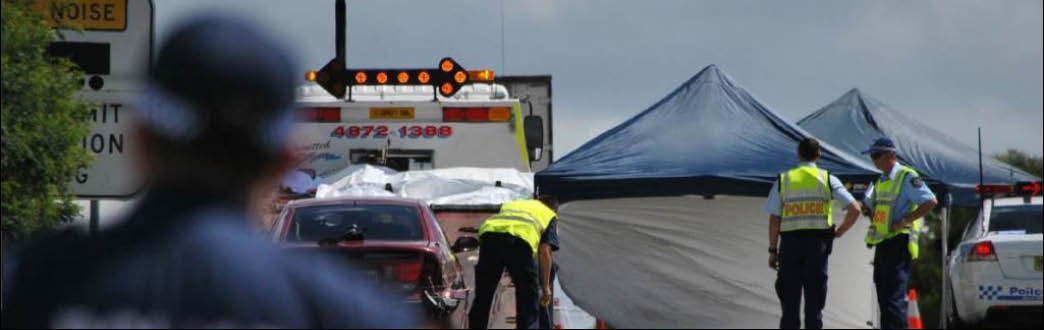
column 1027, row 218
column 376, row 222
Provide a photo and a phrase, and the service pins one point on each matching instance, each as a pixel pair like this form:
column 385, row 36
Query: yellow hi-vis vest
column 526, row 219
column 807, row 199
column 885, row 194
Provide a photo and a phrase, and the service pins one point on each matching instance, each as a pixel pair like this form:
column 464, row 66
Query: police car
column 995, row 272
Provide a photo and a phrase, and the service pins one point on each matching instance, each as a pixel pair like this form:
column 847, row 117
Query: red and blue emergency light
column 1018, row 189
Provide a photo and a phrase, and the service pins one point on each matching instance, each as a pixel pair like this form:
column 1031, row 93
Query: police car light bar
column 1019, row 189
column 1030, row 188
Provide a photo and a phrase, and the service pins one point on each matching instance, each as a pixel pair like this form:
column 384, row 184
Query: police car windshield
column 1027, row 218
column 376, row 222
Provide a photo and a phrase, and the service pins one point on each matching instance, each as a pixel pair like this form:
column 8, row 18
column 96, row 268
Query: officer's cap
column 881, row 145
column 219, row 78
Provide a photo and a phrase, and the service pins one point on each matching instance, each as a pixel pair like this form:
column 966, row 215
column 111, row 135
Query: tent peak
column 857, row 95
column 711, row 72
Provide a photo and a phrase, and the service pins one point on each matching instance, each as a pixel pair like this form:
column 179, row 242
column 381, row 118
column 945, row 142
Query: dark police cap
column 881, row 145
column 220, row 74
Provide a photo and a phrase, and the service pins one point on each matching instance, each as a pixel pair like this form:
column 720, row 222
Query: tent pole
column 944, row 307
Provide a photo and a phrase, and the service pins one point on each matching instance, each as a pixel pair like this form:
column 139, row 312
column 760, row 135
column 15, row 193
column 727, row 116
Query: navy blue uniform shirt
column 550, row 235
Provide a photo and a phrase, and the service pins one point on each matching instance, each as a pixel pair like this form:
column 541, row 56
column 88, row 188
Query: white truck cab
column 413, row 128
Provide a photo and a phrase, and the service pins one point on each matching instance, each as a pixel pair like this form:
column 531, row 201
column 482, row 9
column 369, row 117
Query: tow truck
column 410, row 127
column 410, row 119
column 405, row 126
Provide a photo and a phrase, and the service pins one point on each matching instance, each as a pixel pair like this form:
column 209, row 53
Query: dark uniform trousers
column 891, row 278
column 498, row 252
column 547, row 316
column 802, row 261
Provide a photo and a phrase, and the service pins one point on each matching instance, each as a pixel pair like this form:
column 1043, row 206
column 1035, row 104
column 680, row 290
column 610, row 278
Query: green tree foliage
column 42, row 126
column 1023, row 161
column 926, row 277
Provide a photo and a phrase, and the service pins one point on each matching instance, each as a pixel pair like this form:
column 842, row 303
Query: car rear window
column 1022, row 218
column 377, row 222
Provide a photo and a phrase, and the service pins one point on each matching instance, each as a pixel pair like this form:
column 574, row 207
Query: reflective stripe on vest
column 806, row 200
column 526, row 219
column 886, row 194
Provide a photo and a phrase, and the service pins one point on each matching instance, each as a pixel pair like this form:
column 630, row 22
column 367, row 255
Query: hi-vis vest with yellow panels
column 884, row 198
column 526, row 219
column 807, row 199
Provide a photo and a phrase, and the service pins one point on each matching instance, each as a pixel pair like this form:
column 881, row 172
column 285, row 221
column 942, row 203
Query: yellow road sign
column 94, row 15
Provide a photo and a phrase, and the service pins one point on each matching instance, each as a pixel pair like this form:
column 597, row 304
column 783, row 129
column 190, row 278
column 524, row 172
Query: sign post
column 95, row 223
column 115, row 52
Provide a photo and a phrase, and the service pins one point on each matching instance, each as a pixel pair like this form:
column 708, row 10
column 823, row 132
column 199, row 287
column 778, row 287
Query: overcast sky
column 955, row 65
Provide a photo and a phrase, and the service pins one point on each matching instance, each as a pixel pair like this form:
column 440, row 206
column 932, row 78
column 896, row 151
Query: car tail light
column 983, row 251
column 407, row 272
column 405, row 276
column 321, row 115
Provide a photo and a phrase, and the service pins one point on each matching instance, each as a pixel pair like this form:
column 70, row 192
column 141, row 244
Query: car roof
column 1017, row 201
column 353, row 200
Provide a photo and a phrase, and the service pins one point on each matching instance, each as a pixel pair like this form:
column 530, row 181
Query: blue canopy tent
column 639, row 251
column 708, row 137
column 854, row 121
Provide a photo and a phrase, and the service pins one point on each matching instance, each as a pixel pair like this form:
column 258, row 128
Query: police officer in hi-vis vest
column 897, row 202
column 800, row 205
column 520, row 239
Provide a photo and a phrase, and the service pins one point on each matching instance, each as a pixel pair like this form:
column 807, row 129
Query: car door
column 958, row 258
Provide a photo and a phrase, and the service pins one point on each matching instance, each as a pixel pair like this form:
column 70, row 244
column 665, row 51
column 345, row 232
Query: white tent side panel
column 686, row 262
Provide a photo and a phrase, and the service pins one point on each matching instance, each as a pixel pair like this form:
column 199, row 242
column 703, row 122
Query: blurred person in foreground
column 214, row 128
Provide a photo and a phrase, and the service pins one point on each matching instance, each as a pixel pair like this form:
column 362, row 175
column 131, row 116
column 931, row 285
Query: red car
column 396, row 243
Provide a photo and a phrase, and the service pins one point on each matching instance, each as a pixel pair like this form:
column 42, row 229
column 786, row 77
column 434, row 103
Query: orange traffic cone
column 913, row 312
column 601, row 325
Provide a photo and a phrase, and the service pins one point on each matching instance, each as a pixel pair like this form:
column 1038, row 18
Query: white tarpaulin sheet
column 299, row 182
column 686, row 262
column 450, row 186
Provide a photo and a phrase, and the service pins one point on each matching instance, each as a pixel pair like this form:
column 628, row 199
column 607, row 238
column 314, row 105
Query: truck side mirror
column 534, row 130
